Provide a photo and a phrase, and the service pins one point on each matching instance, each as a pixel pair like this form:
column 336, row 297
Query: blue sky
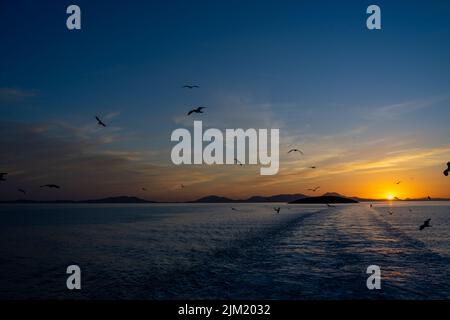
column 310, row 68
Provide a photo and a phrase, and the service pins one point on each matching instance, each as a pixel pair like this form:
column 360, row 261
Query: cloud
column 87, row 166
column 395, row 110
column 11, row 95
column 42, row 153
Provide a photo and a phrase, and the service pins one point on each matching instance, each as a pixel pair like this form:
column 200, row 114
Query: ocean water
column 208, row 251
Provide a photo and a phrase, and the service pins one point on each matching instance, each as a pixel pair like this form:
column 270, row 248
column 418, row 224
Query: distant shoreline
column 288, row 199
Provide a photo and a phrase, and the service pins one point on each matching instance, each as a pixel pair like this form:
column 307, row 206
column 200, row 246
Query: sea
column 211, row 251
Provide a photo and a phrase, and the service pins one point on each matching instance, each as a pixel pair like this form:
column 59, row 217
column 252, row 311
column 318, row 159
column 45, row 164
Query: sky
column 367, row 107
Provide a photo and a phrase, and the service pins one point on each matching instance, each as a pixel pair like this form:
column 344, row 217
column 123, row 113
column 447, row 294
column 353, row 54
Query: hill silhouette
column 325, row 199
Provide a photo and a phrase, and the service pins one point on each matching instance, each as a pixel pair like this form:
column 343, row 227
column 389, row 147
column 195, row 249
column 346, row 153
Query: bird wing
column 189, row 113
column 100, row 122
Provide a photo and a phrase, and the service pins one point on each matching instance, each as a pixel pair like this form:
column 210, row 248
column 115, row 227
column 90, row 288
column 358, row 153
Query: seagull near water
column 277, row 209
column 426, row 224
column 390, row 212
column 446, row 171
column 196, row 110
column 50, row 186
column 236, row 161
column 330, row 206
column 234, row 209
column 100, row 122
column 2, row 176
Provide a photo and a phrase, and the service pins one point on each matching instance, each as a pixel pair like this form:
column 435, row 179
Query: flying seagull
column 54, row 186
column 425, row 224
column 446, row 171
column 314, row 190
column 429, row 198
column 390, row 212
column 21, row 190
column 313, row 167
column 188, row 86
column 296, row 150
column 330, row 206
column 2, row 176
column 234, row 209
column 398, row 182
column 197, row 110
column 277, row 209
column 100, row 122
column 236, row 161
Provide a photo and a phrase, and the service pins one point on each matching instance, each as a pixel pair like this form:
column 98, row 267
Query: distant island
column 253, row 199
column 325, row 199
column 330, row 197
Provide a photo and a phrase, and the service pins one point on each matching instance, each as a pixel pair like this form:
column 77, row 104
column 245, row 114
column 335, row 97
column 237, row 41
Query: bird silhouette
column 236, row 161
column 398, row 182
column 313, row 167
column 277, row 209
column 21, row 190
column 188, row 86
column 51, row 186
column 100, row 122
column 197, row 110
column 429, row 198
column 390, row 212
column 2, row 176
column 426, row 224
column 330, row 206
column 314, row 189
column 296, row 150
column 446, row 171
column 234, row 209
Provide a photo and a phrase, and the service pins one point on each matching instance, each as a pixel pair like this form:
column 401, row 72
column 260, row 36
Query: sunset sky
column 368, row 108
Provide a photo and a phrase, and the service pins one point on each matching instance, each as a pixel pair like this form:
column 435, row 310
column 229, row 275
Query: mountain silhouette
column 325, row 200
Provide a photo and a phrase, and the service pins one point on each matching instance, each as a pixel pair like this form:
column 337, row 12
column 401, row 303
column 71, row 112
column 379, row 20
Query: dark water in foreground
column 210, row 251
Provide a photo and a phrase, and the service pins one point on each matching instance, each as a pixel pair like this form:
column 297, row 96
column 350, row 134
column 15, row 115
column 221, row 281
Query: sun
column 390, row 197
